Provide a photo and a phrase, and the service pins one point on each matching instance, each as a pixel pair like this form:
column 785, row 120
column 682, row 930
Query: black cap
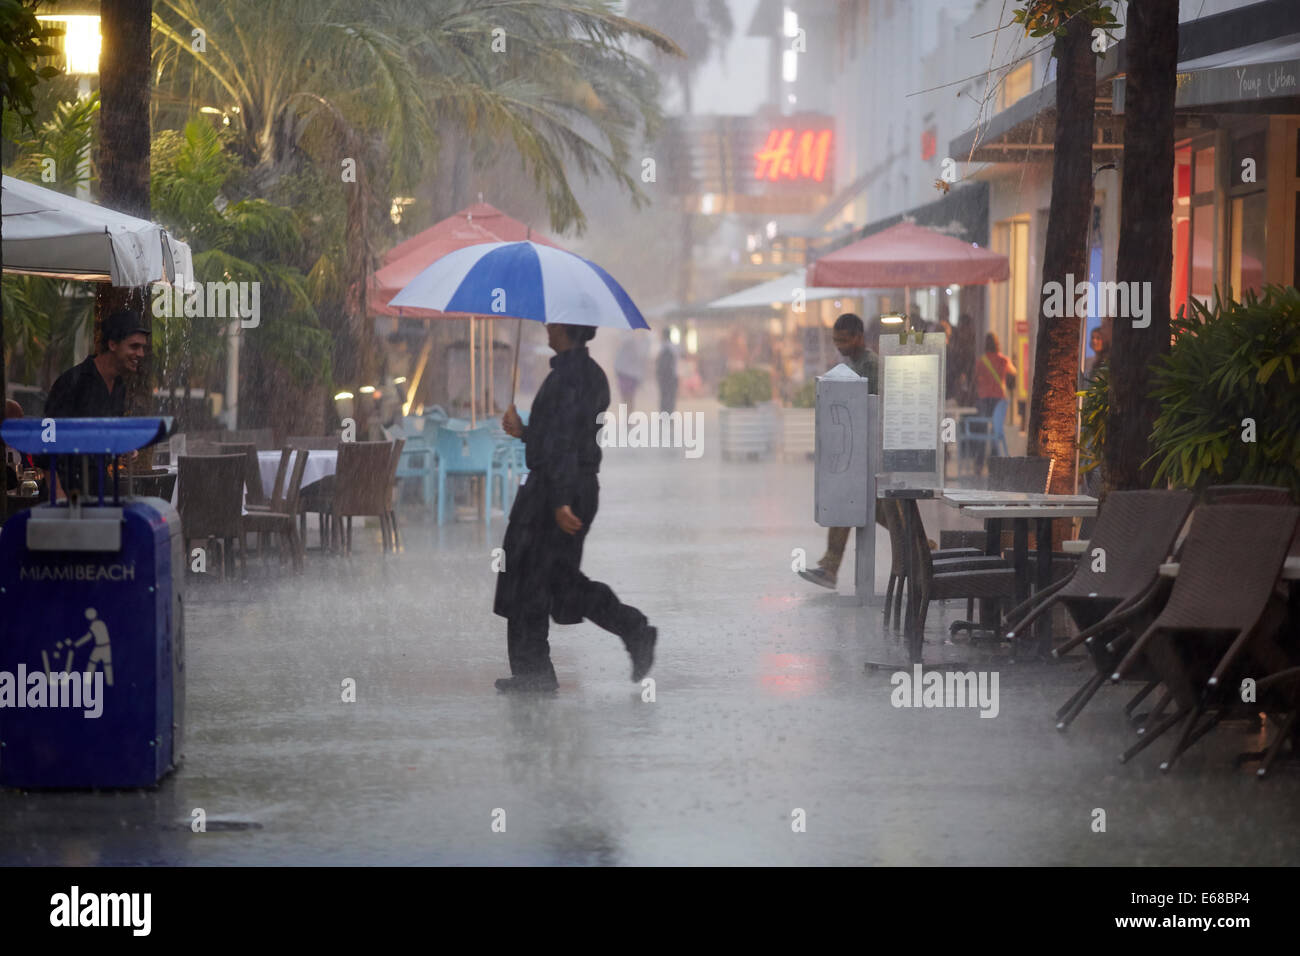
column 122, row 323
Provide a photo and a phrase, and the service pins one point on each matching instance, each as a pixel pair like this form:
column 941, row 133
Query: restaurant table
column 1020, row 507
column 321, row 463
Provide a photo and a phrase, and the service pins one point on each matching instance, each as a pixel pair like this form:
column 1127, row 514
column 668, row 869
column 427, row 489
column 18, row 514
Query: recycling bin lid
column 84, row 436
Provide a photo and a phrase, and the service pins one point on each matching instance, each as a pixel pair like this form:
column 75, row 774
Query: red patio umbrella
column 908, row 255
column 480, row 222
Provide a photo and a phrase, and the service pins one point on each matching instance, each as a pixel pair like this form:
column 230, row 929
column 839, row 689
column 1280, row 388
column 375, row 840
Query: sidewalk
column 762, row 708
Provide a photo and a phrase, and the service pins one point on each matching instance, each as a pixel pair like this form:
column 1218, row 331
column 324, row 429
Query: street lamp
column 81, row 45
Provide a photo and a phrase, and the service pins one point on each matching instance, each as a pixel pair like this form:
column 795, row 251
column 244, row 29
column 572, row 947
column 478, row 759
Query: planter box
column 747, row 432
column 798, row 432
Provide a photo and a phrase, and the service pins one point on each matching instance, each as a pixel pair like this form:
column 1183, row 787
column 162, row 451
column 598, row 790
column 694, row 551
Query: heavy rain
column 651, row 433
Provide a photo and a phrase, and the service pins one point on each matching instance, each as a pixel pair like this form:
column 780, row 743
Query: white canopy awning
column 50, row 234
column 778, row 291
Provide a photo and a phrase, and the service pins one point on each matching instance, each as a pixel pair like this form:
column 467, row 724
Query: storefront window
column 1247, row 257
column 1203, row 253
column 1204, row 170
column 1182, row 229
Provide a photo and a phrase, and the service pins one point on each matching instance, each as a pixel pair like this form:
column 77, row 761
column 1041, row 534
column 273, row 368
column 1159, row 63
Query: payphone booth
column 847, row 453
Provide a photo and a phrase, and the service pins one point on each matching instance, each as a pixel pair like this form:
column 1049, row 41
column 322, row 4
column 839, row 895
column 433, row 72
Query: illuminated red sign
column 792, row 155
column 929, row 143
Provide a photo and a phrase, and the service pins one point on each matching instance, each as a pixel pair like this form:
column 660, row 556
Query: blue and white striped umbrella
column 523, row 280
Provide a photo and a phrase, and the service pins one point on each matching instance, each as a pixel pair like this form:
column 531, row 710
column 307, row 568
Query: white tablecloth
column 319, row 465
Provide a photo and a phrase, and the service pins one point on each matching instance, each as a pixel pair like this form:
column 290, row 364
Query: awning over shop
column 1259, row 72
column 780, row 291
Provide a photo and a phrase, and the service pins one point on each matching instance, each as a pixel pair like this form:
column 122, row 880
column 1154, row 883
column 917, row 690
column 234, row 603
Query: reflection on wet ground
column 762, row 707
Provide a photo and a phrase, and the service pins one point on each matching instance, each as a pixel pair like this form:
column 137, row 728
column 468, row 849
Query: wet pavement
column 762, row 708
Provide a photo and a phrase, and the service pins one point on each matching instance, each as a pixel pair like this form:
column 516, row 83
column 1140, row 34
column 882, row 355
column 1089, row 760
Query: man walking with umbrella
column 551, row 516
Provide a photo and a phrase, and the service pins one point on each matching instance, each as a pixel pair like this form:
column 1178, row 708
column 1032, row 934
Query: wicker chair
column 1136, row 531
column 362, row 486
column 391, row 514
column 1221, row 622
column 985, row 577
column 254, row 495
column 281, row 517
column 210, row 493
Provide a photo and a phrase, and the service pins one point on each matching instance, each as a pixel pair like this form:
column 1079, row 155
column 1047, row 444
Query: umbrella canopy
column 523, row 280
column 780, row 291
column 474, row 224
column 48, row 233
column 908, row 255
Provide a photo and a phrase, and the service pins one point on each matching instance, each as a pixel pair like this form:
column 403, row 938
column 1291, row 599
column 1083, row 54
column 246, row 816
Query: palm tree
column 246, row 240
column 697, row 26
column 370, row 82
column 123, row 147
column 1145, row 235
column 1053, row 403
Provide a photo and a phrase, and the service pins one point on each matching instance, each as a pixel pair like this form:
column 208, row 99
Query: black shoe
column 642, row 649
column 526, row 685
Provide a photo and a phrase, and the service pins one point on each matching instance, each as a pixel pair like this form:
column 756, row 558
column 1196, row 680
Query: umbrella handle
column 514, row 373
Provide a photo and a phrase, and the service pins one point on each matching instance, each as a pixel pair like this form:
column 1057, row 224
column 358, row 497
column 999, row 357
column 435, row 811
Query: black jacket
column 542, row 562
column 560, row 439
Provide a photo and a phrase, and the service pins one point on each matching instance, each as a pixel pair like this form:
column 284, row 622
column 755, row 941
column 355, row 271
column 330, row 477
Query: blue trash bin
column 92, row 660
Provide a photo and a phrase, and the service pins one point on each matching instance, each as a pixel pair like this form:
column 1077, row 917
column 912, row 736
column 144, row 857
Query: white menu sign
column 911, row 402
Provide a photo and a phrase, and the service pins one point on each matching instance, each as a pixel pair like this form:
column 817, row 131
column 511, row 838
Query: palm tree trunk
column 1146, row 239
column 123, row 147
column 1056, row 354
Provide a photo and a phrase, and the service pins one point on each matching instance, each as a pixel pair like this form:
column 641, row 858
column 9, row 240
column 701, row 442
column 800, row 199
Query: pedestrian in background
column 666, row 373
column 991, row 371
column 630, row 367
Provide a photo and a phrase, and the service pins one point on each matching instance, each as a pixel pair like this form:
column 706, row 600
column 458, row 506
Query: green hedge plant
column 1231, row 364
column 746, row 388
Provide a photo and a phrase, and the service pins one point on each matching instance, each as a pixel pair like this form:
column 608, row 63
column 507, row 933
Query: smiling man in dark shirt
column 551, row 517
column 96, row 388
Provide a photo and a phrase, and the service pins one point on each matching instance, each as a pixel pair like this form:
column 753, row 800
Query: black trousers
column 528, row 633
column 551, row 584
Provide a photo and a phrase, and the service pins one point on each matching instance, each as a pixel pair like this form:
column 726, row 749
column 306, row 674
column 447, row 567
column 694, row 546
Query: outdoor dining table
column 1019, row 507
column 321, row 463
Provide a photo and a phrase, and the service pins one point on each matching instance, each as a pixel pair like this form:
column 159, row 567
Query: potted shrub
column 746, row 419
column 1229, row 393
column 1231, row 364
column 798, row 422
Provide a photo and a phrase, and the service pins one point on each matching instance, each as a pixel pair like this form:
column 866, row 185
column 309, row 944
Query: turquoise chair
column 417, row 461
column 470, row 452
column 991, row 434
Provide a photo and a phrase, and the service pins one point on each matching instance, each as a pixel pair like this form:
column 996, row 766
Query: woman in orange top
column 991, row 371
